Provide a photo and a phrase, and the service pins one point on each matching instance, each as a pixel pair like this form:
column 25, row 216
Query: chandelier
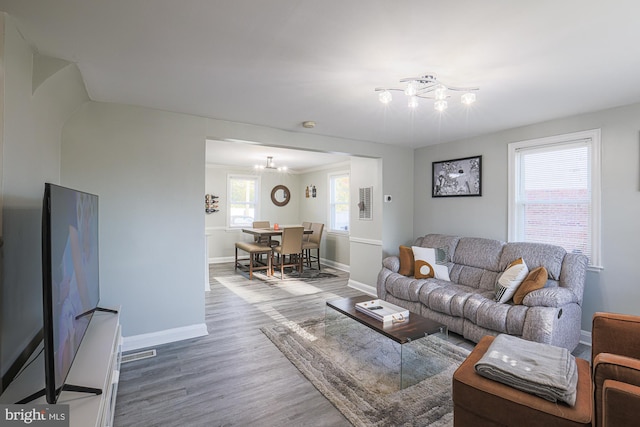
column 270, row 165
column 428, row 87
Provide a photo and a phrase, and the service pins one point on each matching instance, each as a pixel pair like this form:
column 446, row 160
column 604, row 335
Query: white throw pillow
column 428, row 263
column 510, row 279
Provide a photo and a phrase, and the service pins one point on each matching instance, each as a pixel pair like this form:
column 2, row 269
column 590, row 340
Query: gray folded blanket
column 540, row 369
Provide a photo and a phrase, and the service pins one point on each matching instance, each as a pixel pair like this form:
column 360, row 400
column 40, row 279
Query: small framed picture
column 457, row 177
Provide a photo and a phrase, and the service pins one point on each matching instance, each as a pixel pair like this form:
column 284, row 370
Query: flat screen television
column 70, row 280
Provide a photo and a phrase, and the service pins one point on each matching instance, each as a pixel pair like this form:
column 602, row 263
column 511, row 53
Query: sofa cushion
column 480, row 253
column 429, row 263
column 406, row 288
column 449, row 243
column 510, row 280
column 536, row 279
column 450, row 299
column 482, row 310
column 406, row 261
column 474, row 277
column 536, row 254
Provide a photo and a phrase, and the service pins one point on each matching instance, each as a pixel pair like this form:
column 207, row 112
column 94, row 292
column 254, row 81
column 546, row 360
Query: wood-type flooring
column 235, row 376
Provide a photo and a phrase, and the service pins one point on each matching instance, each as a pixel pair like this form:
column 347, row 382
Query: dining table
column 269, row 232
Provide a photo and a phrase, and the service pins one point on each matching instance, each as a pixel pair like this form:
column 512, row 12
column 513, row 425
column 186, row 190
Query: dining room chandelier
column 428, row 87
column 271, row 165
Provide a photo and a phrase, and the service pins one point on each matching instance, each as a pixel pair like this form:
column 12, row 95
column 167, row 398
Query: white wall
column 33, row 120
column 221, row 240
column 147, row 166
column 366, row 235
column 334, row 246
column 613, row 289
column 397, row 179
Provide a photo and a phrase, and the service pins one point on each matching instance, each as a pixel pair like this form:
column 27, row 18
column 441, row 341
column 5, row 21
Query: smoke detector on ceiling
column 309, row 124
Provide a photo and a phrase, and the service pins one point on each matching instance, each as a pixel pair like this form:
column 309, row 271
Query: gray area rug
column 358, row 371
column 308, row 275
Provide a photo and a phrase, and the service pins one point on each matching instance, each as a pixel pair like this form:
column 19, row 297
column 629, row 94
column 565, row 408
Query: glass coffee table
column 390, row 346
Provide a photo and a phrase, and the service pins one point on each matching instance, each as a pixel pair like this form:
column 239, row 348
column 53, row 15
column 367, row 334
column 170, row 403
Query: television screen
column 71, row 288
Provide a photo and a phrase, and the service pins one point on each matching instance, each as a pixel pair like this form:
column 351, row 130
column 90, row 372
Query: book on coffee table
column 383, row 311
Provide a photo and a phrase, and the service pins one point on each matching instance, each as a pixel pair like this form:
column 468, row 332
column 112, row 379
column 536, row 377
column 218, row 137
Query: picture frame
column 457, row 177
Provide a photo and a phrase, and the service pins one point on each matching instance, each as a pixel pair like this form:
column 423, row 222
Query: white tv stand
column 97, row 364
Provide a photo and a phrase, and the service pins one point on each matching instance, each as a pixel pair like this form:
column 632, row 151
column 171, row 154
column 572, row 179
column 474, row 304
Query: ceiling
column 246, row 155
column 278, row 63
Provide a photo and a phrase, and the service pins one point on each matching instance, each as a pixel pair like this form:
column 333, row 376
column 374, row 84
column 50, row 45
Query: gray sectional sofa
column 466, row 304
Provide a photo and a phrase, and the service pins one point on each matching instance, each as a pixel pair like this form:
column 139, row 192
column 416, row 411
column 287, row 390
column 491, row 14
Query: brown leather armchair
column 608, row 392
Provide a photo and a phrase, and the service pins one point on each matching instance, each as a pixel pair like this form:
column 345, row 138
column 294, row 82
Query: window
column 243, row 194
column 554, row 192
column 339, row 202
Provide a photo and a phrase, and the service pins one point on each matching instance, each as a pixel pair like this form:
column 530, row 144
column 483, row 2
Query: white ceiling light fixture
column 428, row 87
column 271, row 165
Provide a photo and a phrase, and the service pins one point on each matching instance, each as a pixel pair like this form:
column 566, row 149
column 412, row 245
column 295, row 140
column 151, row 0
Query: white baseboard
column 585, row 338
column 220, row 260
column 336, row 265
column 136, row 342
column 367, row 289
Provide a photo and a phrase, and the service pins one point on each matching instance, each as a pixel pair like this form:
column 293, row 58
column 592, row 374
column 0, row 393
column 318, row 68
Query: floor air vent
column 132, row 357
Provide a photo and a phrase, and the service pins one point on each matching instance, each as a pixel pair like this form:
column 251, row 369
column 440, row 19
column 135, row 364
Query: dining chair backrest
column 291, row 240
column 263, row 240
column 307, row 226
column 317, row 229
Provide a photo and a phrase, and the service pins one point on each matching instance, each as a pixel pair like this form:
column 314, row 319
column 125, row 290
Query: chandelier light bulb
column 468, row 98
column 429, row 87
column 440, row 105
column 412, row 88
column 385, row 97
column 440, row 92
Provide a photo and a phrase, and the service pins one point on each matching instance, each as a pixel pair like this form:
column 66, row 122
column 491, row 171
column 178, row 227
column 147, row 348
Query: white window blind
column 339, row 202
column 554, row 199
column 243, row 193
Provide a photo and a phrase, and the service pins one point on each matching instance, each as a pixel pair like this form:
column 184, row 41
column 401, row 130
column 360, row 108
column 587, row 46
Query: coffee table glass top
column 385, row 350
column 414, row 328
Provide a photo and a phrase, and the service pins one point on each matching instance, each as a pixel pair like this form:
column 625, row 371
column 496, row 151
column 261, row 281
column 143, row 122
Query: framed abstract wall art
column 457, row 177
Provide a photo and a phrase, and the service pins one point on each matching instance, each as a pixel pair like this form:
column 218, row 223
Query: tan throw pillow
column 510, row 279
column 536, row 279
column 406, row 261
column 429, row 263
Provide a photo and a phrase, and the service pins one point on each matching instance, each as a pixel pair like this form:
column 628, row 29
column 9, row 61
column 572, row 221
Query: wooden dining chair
column 313, row 244
column 263, row 240
column 291, row 246
column 307, row 226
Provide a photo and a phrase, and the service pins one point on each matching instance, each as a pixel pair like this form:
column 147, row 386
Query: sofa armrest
column 615, row 333
column 550, row 297
column 607, row 366
column 392, row 263
column 620, row 403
